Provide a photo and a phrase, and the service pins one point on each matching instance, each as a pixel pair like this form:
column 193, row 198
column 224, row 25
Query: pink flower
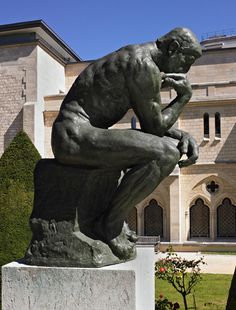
column 162, row 269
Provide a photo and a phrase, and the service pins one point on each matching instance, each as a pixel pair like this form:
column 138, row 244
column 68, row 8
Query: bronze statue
column 129, row 78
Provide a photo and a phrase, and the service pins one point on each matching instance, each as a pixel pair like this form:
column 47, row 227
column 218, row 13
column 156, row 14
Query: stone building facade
column 195, row 207
column 32, row 66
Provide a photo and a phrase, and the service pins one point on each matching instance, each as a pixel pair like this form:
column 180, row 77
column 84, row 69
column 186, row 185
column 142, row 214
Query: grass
column 210, row 294
column 219, row 253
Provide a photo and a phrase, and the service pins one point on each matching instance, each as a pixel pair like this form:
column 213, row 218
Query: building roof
column 37, row 31
column 223, row 39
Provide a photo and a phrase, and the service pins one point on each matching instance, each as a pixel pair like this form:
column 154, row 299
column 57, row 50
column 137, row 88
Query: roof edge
column 41, row 24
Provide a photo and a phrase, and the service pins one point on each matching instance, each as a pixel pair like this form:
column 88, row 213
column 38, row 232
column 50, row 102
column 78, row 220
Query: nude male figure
column 131, row 77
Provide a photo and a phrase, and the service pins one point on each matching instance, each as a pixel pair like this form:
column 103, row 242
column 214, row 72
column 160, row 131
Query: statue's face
column 180, row 60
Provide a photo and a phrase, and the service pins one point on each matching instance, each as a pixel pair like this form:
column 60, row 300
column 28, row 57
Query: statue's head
column 180, row 48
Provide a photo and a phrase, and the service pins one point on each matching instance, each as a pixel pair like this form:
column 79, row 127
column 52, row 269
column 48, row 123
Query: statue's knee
column 171, row 154
column 175, row 153
column 153, row 174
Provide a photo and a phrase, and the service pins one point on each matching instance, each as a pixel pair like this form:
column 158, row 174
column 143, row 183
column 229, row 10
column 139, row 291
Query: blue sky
column 93, row 28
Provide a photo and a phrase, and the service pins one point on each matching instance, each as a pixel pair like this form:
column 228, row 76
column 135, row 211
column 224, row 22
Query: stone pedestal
column 143, row 266
column 127, row 286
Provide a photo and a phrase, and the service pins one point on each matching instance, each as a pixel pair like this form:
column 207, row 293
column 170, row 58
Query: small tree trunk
column 185, row 302
column 231, row 302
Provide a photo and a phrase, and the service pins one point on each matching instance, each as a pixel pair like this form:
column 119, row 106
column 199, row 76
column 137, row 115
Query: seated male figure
column 130, row 78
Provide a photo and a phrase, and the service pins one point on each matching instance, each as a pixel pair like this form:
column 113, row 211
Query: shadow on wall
column 13, row 129
column 219, row 58
column 15, row 52
column 228, row 150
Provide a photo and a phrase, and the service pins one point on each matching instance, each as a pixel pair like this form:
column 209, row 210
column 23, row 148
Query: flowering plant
column 164, row 304
column 181, row 273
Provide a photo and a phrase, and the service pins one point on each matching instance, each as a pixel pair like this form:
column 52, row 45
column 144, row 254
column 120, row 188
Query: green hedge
column 16, row 196
column 15, row 209
column 18, row 161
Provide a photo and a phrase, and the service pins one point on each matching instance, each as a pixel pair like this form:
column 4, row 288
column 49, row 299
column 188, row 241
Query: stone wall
column 213, row 149
column 72, row 71
column 195, row 179
column 50, row 81
column 17, row 86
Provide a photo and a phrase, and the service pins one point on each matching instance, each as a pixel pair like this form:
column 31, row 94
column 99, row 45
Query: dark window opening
column 212, row 187
column 226, row 219
column 217, row 125
column 131, row 219
column 153, row 219
column 206, row 125
column 199, row 220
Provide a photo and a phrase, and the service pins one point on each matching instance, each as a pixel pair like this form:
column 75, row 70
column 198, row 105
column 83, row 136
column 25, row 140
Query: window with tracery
column 199, row 220
column 212, row 187
column 132, row 220
column 226, row 219
column 153, row 219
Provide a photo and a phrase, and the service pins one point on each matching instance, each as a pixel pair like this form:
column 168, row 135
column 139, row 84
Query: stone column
column 140, row 230
column 213, row 225
column 175, row 225
column 187, row 224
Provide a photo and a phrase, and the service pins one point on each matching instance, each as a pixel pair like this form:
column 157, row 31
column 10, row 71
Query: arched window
column 153, row 219
column 199, row 220
column 132, row 220
column 217, row 125
column 226, row 219
column 206, row 125
column 133, row 122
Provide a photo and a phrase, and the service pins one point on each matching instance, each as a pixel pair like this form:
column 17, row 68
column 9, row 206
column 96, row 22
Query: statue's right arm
column 183, row 89
column 146, row 99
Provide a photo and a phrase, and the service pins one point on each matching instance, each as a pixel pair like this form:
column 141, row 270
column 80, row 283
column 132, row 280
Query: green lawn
column 219, row 253
column 210, row 293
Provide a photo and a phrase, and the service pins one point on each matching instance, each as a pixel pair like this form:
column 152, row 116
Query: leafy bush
column 164, row 304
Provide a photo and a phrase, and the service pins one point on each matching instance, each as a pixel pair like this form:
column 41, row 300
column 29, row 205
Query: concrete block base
column 127, row 286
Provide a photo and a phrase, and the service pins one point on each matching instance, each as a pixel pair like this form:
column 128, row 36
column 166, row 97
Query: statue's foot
column 122, row 247
column 131, row 234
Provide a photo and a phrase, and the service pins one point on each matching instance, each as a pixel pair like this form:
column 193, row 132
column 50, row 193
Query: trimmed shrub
column 18, row 161
column 15, row 209
column 16, row 196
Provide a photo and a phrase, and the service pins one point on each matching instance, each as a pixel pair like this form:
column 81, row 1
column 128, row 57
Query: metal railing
column 150, row 240
column 218, row 34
